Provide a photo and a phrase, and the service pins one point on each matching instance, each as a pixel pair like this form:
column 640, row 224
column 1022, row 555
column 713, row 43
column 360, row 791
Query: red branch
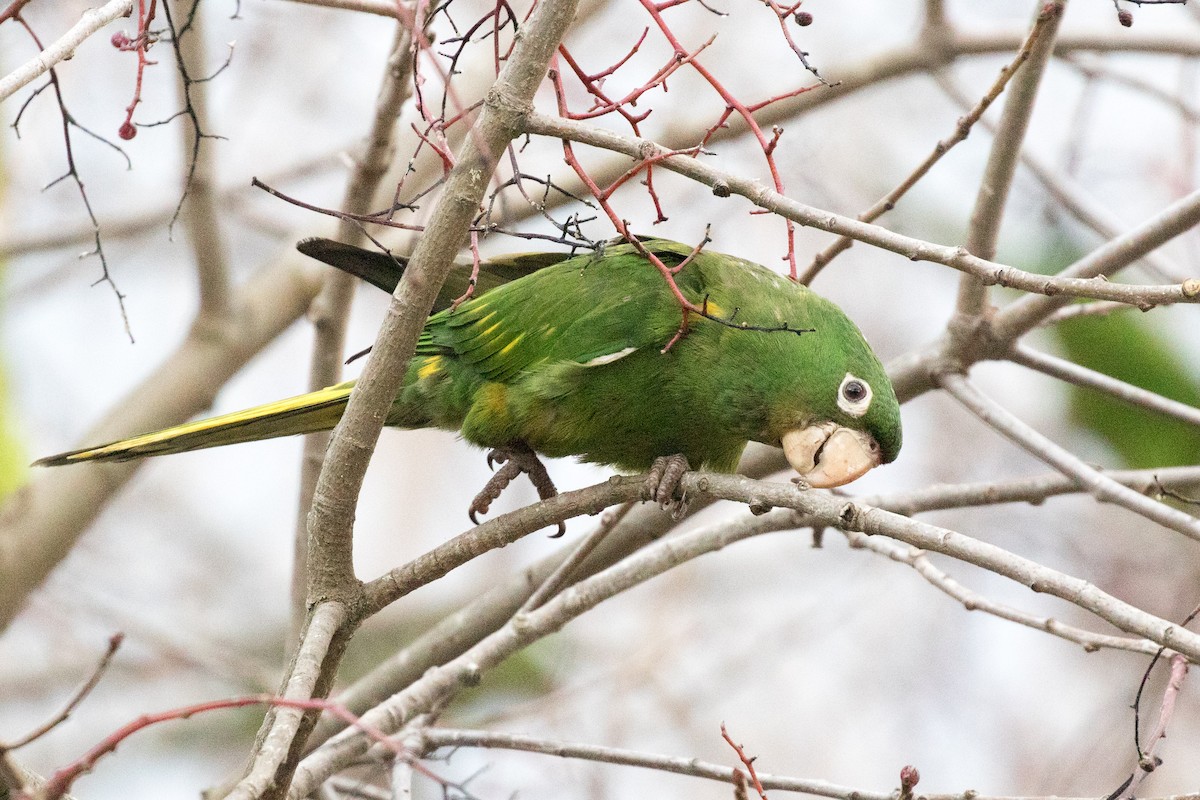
column 603, row 104
column 1147, row 760
column 435, row 137
column 749, row 762
column 733, row 104
column 618, row 223
column 14, row 10
column 139, row 44
column 474, row 279
column 60, row 782
column 645, row 164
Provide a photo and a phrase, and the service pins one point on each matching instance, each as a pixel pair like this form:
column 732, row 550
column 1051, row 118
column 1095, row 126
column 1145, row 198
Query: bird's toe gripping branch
column 663, row 480
column 515, row 458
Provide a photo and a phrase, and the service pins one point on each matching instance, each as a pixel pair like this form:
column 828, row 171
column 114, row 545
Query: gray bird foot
column 662, row 481
column 515, row 458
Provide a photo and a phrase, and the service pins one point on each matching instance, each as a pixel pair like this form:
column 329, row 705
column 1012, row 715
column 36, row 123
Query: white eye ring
column 854, row 395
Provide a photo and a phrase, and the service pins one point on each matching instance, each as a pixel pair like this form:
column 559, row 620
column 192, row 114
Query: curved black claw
column 515, row 458
column 662, row 481
column 494, row 487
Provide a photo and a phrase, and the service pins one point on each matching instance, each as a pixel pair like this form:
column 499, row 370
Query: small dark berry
column 1125, row 17
column 127, row 131
column 804, row 19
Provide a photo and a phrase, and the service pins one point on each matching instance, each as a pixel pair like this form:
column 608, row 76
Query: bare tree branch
column 996, row 183
column 330, row 310
column 1070, row 196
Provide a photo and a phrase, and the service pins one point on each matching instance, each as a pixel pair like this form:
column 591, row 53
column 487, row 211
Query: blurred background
column 826, row 663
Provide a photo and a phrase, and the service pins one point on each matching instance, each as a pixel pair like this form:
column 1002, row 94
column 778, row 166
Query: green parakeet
column 565, row 355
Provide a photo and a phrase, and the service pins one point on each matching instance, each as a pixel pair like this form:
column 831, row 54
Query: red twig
column 645, row 163
column 605, row 105
column 749, row 762
column 601, row 75
column 602, row 197
column 14, row 9
column 441, row 146
column 759, row 106
column 60, row 782
column 474, row 279
column 732, row 104
column 695, row 252
column 1147, row 760
column 784, row 14
column 140, row 44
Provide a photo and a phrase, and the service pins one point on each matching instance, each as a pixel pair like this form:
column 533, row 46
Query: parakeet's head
column 835, row 413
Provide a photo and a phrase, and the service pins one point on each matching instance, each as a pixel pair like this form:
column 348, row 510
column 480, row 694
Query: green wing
column 586, row 310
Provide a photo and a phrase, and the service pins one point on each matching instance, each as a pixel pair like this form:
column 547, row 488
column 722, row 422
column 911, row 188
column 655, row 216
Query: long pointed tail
column 316, row 411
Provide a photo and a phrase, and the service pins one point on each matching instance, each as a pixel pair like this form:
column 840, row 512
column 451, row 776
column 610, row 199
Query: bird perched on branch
column 581, row 355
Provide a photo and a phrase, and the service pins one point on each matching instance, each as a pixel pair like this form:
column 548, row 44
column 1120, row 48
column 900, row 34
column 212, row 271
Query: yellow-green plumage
column 567, row 358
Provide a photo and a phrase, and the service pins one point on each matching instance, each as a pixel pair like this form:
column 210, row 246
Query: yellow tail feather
column 316, row 411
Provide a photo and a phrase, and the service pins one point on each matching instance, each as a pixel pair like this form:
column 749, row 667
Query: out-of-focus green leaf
column 1134, row 348
column 1129, row 347
column 12, row 455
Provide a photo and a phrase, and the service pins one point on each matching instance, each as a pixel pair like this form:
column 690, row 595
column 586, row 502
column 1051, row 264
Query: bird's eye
column 854, row 395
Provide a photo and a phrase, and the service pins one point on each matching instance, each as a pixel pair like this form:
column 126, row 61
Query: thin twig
column 1148, row 761
column 961, row 130
column 114, row 642
column 1070, row 195
column 973, row 601
column 679, row 765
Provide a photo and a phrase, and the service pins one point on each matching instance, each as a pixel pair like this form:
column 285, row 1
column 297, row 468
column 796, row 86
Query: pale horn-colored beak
column 828, row 455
